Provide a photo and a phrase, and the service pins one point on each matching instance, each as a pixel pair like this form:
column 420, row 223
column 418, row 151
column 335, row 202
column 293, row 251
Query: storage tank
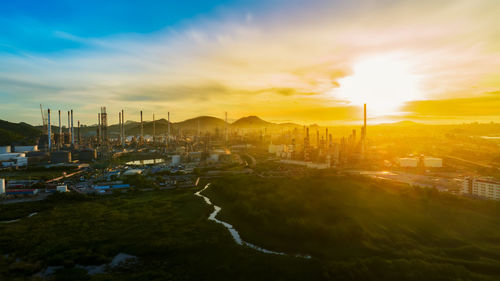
column 214, row 157
column 2, row 186
column 5, row 149
column 176, row 159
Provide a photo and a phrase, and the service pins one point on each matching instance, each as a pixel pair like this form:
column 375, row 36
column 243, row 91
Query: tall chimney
column 168, row 132
column 72, row 131
column 120, row 126
column 49, row 130
column 123, row 128
column 99, row 128
column 154, row 130
column 142, row 128
column 59, row 143
column 79, row 140
column 69, row 126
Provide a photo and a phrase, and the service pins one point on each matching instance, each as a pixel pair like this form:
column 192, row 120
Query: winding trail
column 234, row 233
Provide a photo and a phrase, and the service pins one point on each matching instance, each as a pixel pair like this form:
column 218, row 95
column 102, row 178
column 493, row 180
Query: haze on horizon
column 297, row 61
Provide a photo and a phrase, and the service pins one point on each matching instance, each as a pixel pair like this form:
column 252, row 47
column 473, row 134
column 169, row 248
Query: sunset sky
column 285, row 61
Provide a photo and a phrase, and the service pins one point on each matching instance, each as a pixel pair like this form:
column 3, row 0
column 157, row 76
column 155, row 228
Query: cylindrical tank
column 176, row 159
column 2, row 186
column 5, row 149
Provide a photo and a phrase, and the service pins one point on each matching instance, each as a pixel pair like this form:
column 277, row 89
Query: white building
column 432, row 162
column 408, row 162
column 25, row 148
column 481, row 187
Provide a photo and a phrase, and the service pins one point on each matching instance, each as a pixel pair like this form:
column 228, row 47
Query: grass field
column 355, row 229
column 358, row 227
column 167, row 230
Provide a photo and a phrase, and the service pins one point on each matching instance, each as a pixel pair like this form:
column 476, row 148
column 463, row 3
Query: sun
column 383, row 82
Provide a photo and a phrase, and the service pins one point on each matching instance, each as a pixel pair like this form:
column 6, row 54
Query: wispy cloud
column 264, row 62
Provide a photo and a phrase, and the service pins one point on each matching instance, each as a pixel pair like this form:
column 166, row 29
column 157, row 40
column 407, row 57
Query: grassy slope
column 168, row 230
column 356, row 224
column 17, row 132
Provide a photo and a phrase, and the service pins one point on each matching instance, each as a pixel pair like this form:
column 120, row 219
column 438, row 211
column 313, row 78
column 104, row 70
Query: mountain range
column 24, row 133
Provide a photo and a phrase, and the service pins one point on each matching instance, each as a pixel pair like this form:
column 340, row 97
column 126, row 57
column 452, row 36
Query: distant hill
column 251, row 122
column 18, row 133
column 206, row 123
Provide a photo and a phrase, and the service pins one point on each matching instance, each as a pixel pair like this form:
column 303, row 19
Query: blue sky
column 284, row 60
column 33, row 26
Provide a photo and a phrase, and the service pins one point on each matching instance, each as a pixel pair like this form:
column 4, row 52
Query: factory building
column 432, row 162
column 87, row 155
column 481, row 187
column 25, row 148
column 408, row 162
column 60, row 157
column 414, row 162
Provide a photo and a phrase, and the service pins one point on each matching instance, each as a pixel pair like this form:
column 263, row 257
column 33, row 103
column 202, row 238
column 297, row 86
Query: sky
column 283, row 60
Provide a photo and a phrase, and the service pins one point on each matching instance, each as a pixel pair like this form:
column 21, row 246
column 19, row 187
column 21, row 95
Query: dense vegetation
column 354, row 228
column 364, row 230
column 18, row 133
column 167, row 230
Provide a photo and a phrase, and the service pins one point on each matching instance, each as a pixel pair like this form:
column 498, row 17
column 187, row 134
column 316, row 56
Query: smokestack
column 49, row 130
column 168, row 132
column 99, row 128
column 60, row 130
column 69, row 126
column 120, row 126
column 142, row 128
column 154, row 130
column 72, row 131
column 79, row 140
column 123, row 128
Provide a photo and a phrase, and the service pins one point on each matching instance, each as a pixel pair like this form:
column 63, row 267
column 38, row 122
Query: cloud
column 274, row 60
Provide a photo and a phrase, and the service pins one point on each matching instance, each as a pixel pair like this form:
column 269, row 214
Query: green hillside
column 18, row 133
column 358, row 227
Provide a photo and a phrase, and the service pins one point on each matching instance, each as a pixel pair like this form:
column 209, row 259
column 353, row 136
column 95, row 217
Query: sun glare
column 385, row 83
